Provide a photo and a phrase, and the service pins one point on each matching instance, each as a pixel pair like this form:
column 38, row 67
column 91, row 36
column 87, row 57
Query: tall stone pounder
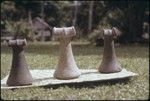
column 66, row 68
column 19, row 73
column 109, row 62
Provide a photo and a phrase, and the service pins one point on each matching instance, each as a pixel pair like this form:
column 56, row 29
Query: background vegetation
column 86, row 16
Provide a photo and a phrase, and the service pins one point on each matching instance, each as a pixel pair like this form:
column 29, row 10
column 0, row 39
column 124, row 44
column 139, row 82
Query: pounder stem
column 66, row 68
column 19, row 73
column 109, row 62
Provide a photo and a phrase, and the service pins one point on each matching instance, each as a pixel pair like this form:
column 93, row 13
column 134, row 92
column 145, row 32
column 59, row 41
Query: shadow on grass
column 91, row 84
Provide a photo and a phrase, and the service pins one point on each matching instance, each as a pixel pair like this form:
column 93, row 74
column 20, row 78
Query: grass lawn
column 134, row 58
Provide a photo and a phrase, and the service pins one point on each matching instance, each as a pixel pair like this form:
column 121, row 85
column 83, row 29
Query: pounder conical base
column 66, row 68
column 19, row 73
column 109, row 62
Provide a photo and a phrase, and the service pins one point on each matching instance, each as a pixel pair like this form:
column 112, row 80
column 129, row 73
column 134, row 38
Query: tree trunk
column 135, row 19
column 31, row 24
column 90, row 16
column 42, row 10
column 140, row 20
column 75, row 13
column 131, row 20
column 42, row 16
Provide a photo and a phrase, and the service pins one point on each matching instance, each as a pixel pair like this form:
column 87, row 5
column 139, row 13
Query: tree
column 90, row 16
column 135, row 19
column 75, row 13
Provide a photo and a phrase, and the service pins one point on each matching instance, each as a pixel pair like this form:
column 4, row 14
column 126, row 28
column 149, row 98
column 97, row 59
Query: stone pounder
column 19, row 73
column 109, row 62
column 66, row 68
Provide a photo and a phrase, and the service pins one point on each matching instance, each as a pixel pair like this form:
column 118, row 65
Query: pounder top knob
column 114, row 32
column 17, row 42
column 107, row 32
column 64, row 32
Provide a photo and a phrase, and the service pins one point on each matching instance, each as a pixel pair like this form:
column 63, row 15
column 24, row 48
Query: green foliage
column 97, row 33
column 20, row 29
column 61, row 13
column 94, row 36
column 8, row 10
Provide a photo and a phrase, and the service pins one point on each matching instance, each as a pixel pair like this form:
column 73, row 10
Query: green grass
column 132, row 57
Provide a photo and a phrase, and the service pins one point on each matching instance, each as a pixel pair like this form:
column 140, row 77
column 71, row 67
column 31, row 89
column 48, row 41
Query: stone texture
column 45, row 78
column 66, row 68
column 19, row 74
column 109, row 62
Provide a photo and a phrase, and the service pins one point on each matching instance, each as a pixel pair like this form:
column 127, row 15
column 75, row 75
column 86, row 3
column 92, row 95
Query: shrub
column 96, row 36
column 20, row 29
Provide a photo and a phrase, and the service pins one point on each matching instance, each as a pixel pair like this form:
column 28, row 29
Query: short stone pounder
column 19, row 73
column 109, row 62
column 66, row 68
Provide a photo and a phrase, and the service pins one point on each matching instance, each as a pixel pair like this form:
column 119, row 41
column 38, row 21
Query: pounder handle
column 114, row 32
column 17, row 42
column 64, row 32
column 70, row 31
